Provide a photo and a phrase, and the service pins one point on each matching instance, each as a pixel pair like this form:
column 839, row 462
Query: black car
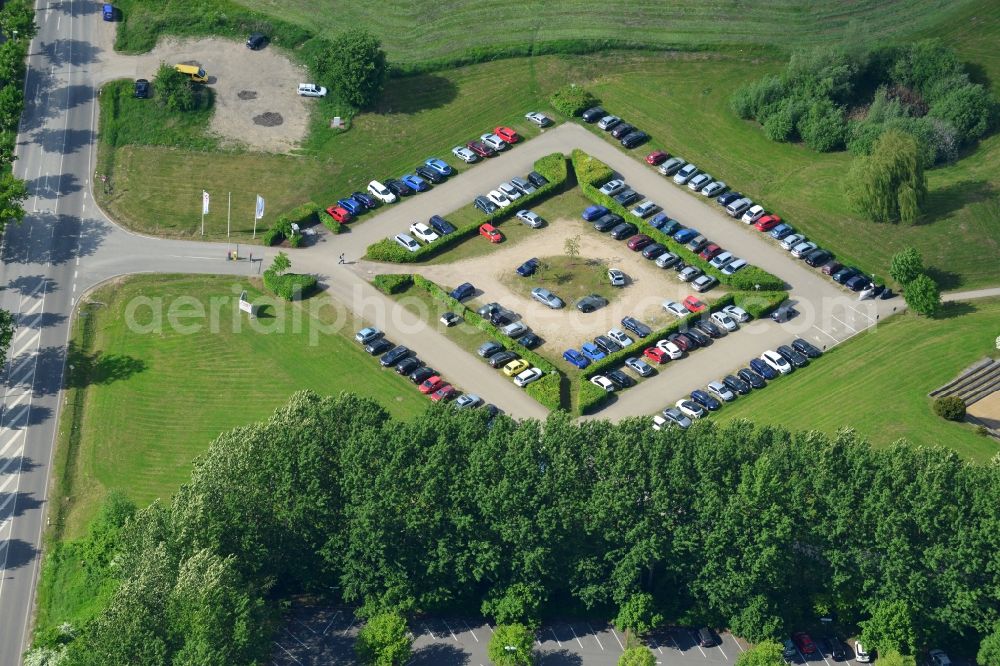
column 607, row 222
column 624, row 230
column 421, row 374
column 620, row 379
column 705, row 400
column 502, row 317
column 594, row 114
column 256, row 41
column 728, row 198
column 818, row 257
column 751, row 378
column 379, row 346
column 591, row 303
column 621, row 129
column 806, row 348
column 141, row 90
column 487, row 349
column 463, row 291
column 606, row 344
column 636, row 326
column 709, row 328
column 366, row 200
column 441, row 225
column 408, row 365
column 653, row 251
column 763, row 369
column 394, row 356
column 794, row 357
column 428, row 173
column 836, row 648
column 537, row 179
column 627, row 196
column 502, row 359
column 529, row 341
column 484, row 204
column 398, row 187
column 633, row 139
column 528, row 268
column 783, row 314
column 858, row 282
column 844, row 274
column 699, row 337
column 679, row 266
column 736, row 384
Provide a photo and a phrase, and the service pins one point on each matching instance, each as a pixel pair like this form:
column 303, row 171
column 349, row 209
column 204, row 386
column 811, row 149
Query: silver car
column 613, row 187
column 667, row 259
column 703, row 283
column 788, row 242
column 685, row 174
column 493, row 141
column 547, row 298
column 712, row 189
column 699, row 181
column 464, row 154
column 530, row 218
column 689, row 273
column 607, row 122
column 721, row 391
column 675, row 309
column 642, row 368
column 671, row 166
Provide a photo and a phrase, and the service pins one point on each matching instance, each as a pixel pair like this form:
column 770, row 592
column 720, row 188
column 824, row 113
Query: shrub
column 590, row 170
column 387, row 250
column 392, row 284
column 289, row 286
column 759, row 304
column 547, row 391
column 754, row 278
column 950, row 408
column 272, row 237
column 295, row 240
column 970, row 109
column 780, row 125
column 572, row 100
column 589, row 397
column 823, row 127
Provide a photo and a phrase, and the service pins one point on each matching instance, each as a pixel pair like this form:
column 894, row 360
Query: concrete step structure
column 975, row 383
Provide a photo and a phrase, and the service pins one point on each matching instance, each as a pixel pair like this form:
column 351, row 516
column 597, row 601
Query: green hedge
column 393, row 284
column 752, row 277
column 272, row 237
column 547, row 391
column 590, row 170
column 759, row 303
column 572, row 100
column 289, row 285
column 552, row 166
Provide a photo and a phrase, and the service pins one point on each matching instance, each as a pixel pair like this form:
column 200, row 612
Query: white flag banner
column 260, row 207
column 204, row 202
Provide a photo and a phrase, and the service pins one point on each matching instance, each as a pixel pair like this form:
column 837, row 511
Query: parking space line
column 615, row 634
column 737, row 641
column 721, row 650
column 853, row 330
column 656, row 645
column 296, row 638
column 332, row 620
column 554, row 636
column 449, row 630
column 594, row 634
column 287, row 652
column 490, row 628
column 430, row 632
column 674, row 641
column 306, row 626
column 575, row 636
column 470, row 630
column 697, row 645
column 863, row 314
column 353, row 622
column 835, row 340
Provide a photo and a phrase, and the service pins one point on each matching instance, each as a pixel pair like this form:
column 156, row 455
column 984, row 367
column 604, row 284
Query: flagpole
column 229, row 212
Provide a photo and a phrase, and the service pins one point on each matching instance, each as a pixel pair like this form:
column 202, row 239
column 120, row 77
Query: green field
column 149, row 403
column 570, row 278
column 878, row 382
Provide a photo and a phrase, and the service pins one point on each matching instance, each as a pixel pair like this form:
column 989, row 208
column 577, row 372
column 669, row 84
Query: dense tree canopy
column 727, row 525
column 890, row 184
column 354, row 67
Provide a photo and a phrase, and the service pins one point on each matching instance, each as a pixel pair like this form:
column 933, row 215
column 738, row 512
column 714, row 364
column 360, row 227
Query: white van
column 381, row 192
column 311, row 90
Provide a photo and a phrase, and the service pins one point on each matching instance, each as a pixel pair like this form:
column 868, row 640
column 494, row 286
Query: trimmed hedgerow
column 289, row 286
column 392, row 283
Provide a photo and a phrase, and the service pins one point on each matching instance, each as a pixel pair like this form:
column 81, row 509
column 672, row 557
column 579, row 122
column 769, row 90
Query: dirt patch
column 257, row 106
column 642, row 297
column 986, row 412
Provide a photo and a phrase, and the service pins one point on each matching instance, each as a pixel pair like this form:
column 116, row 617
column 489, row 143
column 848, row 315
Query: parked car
column 806, row 347
column 675, row 309
column 431, row 384
column 590, row 303
column 653, row 250
column 836, row 648
column 689, row 273
column 547, row 298
column 307, row 89
column 767, row 222
column 737, row 313
column 498, row 198
column 530, row 218
column 783, row 313
column 429, row 174
column 638, row 242
column 634, row 139
column 366, row 200
column 528, row 268
column 727, row 198
column 481, row 149
column 861, row 655
column 776, row 361
column 635, row 326
column 686, row 173
column 422, row 373
column 735, row 384
column 616, row 277
column 804, row 643
column 537, row 118
column 394, row 356
column 721, row 391
column 700, row 339
column 675, row 417
column 607, row 222
column 693, row 304
column 368, row 334
column 685, row 235
column 627, row 197
column 831, row 267
column 620, row 379
column 697, row 243
column 465, row 154
column 378, row 346
column 441, row 225
column 763, row 369
column 529, row 340
column 591, row 213
column 608, row 122
column 440, row 166
column 706, row 638
column 623, row 231
column 604, row 383
column 752, row 378
column 699, row 181
column 537, row 179
column 788, row 650
column 690, row 408
column 515, row 367
column 510, row 191
column 488, row 349
column 703, row 283
column 351, row 205
column 738, row 207
column 709, row 327
column 621, row 129
column 733, row 266
column 407, row 242
column 671, row 166
column 485, row 205
column 491, row 233
column 802, row 249
column 576, row 358
column 408, row 365
column 444, row 394
column 423, row 232
column 140, row 89
column 656, row 355
column 671, row 348
column 817, row 257
column 725, row 320
column 501, row 359
column 844, row 274
column 415, row 182
column 721, row 259
column 592, row 351
column 612, row 187
column 620, row 337
column 657, row 157
column 705, row 400
column 639, row 366
column 494, row 141
column 340, row 214
column 667, row 259
column 714, row 189
column 381, row 192
column 607, row 345
column 592, row 115
column 398, row 187
column 645, row 209
column 793, row 356
column 463, row 291
column 514, row 329
column 528, row 376
column 753, row 214
column 791, row 240
column 506, row 134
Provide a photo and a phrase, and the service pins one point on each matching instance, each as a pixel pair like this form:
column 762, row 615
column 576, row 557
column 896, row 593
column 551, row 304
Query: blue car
column 352, row 206
column 659, row 220
column 728, row 198
column 441, row 225
column 528, row 267
column 576, row 358
column 366, row 200
column 705, row 400
column 763, row 369
column 592, row 351
column 671, row 227
column 684, row 235
column 440, row 166
column 781, row 231
column 463, row 291
column 415, row 183
column 591, row 213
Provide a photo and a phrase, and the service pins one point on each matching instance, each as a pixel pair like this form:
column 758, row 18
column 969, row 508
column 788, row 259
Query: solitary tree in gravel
column 384, row 641
column 173, row 89
column 355, row 67
column 765, row 653
column 638, row 655
column 922, row 295
column 890, row 184
column 511, row 645
column 571, row 246
column 906, row 265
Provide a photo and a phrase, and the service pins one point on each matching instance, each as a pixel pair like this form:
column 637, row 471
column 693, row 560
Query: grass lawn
column 878, row 382
column 570, row 279
column 149, row 403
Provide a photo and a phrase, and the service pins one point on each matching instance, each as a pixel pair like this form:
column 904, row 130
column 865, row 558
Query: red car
column 444, row 394
column 638, row 242
column 481, row 149
column 492, row 233
column 507, row 134
column 710, row 251
column 804, row 643
column 693, row 304
column 339, row 214
column 656, row 354
column 657, row 157
column 767, row 223
column 431, row 384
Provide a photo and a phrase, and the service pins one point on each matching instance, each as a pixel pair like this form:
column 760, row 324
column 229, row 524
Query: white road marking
column 575, row 636
column 430, row 632
column 845, row 324
column 332, row 620
column 555, row 637
column 305, row 625
column 448, row 627
column 296, row 638
column 656, row 645
column 353, row 622
column 615, row 634
column 835, row 340
column 287, row 652
column 470, row 630
column 594, row 634
column 722, row 651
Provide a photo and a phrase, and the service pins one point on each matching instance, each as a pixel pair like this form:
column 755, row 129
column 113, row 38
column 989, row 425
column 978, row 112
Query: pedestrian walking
column 341, row 258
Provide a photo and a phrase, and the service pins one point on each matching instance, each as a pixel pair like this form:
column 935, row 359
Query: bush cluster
column 392, row 283
column 572, row 100
column 825, row 99
column 289, row 286
column 303, row 215
column 951, row 408
column 15, row 15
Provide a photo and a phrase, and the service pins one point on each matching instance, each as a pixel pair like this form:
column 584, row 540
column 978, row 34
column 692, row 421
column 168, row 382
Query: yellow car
column 515, row 367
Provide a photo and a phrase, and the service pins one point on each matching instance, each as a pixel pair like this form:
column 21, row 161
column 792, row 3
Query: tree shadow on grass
column 99, row 368
column 955, row 309
column 417, row 93
column 950, row 198
column 946, row 280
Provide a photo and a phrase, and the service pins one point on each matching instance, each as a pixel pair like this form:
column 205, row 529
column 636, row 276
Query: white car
column 423, row 232
column 616, row 277
column 721, row 391
column 493, row 141
column 530, row 218
column 539, row 119
column 755, row 213
column 737, row 313
column 712, row 189
column 381, row 192
column 311, row 90
column 645, row 209
column 659, row 423
column 466, row 400
column 603, row 382
column 725, row 321
column 860, row 654
column 733, row 266
column 703, row 283
column 613, row 187
column 686, row 173
column 607, row 122
column 498, row 198
column 528, row 376
column 515, row 329
column 666, row 260
column 512, row 192
column 670, row 349
column 675, row 309
column 802, row 249
column 776, row 361
column 464, row 154
column 790, row 241
column 671, row 166
column 721, row 259
column 690, row 408
column 619, row 336
column 407, row 241
column 699, row 181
